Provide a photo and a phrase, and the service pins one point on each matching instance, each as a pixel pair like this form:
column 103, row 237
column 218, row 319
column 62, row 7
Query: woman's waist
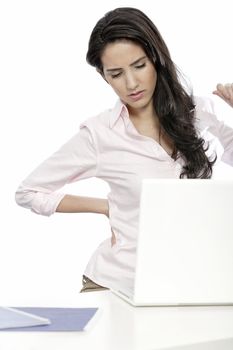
column 124, row 232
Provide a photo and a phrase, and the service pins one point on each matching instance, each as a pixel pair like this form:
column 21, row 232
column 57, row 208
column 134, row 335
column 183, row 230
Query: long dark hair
column 173, row 105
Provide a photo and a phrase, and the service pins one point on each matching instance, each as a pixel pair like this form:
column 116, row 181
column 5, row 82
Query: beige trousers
column 90, row 286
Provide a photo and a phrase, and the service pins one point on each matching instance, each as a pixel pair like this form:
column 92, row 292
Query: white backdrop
column 47, row 90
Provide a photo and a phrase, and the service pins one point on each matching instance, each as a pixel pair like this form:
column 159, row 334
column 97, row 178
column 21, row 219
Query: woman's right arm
column 78, row 204
column 74, row 161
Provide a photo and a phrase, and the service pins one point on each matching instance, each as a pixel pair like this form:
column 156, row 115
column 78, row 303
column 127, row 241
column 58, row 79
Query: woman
column 156, row 129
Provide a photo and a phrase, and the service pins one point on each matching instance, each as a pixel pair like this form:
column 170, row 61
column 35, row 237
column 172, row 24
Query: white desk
column 124, row 327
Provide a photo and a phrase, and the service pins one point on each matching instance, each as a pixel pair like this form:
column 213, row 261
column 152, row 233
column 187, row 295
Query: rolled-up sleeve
column 75, row 160
column 211, row 115
column 226, row 138
column 223, row 131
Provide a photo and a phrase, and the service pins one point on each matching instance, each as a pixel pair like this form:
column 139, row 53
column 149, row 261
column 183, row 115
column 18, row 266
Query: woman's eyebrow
column 132, row 64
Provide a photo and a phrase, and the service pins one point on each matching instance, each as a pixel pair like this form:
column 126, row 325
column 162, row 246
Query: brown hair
column 173, row 105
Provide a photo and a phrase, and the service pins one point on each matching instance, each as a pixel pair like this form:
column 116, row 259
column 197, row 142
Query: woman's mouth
column 137, row 95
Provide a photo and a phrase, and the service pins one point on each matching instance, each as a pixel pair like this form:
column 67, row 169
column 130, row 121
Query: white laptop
column 219, row 344
column 185, row 244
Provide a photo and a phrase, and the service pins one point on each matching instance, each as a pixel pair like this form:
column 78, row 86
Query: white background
column 47, row 90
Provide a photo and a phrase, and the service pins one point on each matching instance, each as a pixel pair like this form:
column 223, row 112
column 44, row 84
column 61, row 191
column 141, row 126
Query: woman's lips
column 137, row 96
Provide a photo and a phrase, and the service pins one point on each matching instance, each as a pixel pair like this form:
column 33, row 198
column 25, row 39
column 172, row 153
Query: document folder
column 61, row 319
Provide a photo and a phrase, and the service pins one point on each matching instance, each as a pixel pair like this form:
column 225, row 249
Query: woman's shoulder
column 204, row 104
column 102, row 119
column 98, row 120
column 211, row 108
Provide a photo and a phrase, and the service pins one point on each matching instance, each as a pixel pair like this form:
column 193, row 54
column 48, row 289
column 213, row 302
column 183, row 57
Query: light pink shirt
column 109, row 147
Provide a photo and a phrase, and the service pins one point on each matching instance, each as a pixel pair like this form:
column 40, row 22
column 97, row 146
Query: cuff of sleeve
column 46, row 204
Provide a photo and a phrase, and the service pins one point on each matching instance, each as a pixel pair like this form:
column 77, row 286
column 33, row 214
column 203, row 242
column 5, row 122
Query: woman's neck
column 144, row 116
column 147, row 123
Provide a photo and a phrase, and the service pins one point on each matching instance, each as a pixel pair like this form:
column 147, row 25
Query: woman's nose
column 131, row 82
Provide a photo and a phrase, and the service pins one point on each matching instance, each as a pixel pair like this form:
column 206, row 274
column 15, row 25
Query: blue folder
column 62, row 319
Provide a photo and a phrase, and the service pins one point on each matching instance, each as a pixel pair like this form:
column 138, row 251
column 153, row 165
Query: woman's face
column 130, row 73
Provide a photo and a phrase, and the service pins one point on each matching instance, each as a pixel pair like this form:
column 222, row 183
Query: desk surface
column 122, row 326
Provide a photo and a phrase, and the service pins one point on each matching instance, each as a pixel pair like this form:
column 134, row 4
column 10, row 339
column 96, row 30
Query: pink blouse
column 110, row 148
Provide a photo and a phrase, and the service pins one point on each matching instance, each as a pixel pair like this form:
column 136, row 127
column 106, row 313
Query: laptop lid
column 185, row 243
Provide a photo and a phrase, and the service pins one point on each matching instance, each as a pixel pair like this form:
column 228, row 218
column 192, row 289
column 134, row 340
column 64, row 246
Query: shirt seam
column 95, row 144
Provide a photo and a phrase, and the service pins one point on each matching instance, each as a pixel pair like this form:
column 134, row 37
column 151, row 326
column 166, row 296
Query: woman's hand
column 225, row 92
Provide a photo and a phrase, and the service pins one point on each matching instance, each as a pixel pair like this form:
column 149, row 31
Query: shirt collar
column 119, row 110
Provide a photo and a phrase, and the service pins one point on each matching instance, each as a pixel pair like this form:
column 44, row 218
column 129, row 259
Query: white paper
column 13, row 318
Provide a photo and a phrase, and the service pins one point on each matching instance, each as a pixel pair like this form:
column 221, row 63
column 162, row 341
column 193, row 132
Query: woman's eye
column 116, row 75
column 137, row 67
column 140, row 66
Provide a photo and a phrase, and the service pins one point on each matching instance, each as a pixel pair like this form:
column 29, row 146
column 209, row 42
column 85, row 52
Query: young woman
column 156, row 129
